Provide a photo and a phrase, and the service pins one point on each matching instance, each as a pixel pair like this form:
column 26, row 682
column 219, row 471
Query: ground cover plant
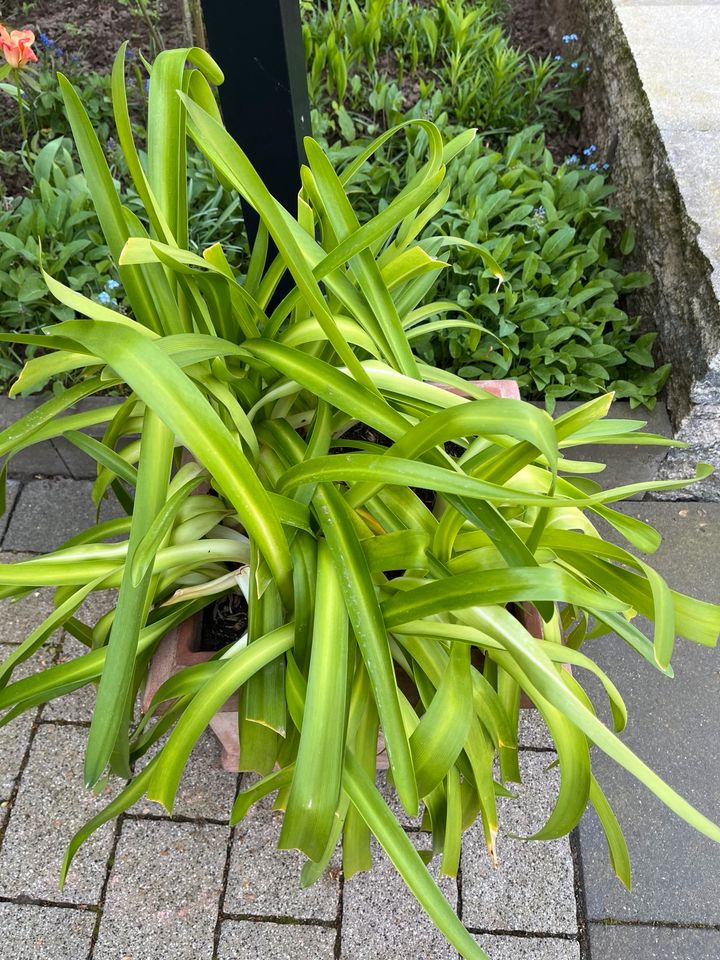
column 369, row 611
column 539, row 269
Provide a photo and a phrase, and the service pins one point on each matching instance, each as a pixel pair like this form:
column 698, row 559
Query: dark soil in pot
column 224, row 622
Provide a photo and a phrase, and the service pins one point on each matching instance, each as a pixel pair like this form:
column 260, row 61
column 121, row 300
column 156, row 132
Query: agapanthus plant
column 382, row 573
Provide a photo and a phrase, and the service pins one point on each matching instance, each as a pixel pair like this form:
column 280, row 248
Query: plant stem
column 154, row 32
column 21, row 108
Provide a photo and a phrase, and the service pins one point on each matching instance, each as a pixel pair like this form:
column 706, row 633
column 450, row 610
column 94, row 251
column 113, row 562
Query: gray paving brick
column 529, row 948
column 18, row 618
column 265, row 882
column 532, row 889
column 78, row 706
column 532, row 731
column 15, row 736
column 206, row 790
column 42, row 459
column 14, row 739
column 12, row 488
column 48, row 512
column 11, row 409
column 381, row 917
column 164, row 891
column 387, row 789
column 652, row 943
column 673, row 727
column 247, row 940
column 30, row 932
column 77, row 464
column 50, row 806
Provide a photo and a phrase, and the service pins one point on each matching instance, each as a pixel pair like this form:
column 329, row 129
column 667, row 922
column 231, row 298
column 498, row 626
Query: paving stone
column 265, row 882
column 12, row 488
column 532, row 889
column 532, row 731
column 30, row 932
column 15, row 736
column 12, row 409
column 50, row 806
column 206, row 790
column 42, row 459
column 77, row 464
column 78, row 706
column 530, row 948
column 673, row 726
column 381, row 917
column 18, row 618
column 247, row 940
column 387, row 789
column 626, row 942
column 626, row 463
column 48, row 512
column 164, row 891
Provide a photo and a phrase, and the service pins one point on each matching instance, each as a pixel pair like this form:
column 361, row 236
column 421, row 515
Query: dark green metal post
column 259, row 46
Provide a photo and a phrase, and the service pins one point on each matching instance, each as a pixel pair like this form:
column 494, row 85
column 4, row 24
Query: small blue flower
column 606, row 166
column 588, row 151
column 59, row 52
column 588, row 69
column 569, row 37
column 539, row 212
column 574, row 65
column 104, row 298
column 112, row 285
column 130, row 55
column 592, row 166
column 46, row 41
column 558, row 58
column 572, row 159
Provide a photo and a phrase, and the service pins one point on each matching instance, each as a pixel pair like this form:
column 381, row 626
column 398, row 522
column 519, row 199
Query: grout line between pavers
column 524, row 934
column 663, row 924
column 23, row 901
column 176, row 818
column 109, row 863
column 16, row 783
column 61, row 721
column 282, row 921
column 337, row 950
column 580, row 899
column 11, row 513
column 223, row 886
column 62, row 459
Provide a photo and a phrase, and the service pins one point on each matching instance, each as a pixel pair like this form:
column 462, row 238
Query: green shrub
column 56, row 223
column 368, row 63
column 538, row 265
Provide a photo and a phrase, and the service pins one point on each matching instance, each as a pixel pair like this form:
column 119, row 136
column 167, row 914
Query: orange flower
column 17, row 47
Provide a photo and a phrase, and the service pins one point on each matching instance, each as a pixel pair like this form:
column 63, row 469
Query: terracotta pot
column 179, row 649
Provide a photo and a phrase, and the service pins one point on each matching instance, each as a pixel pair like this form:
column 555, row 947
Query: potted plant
column 356, row 580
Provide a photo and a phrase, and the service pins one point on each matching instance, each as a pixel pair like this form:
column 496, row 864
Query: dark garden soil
column 529, row 30
column 92, row 30
column 528, row 27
